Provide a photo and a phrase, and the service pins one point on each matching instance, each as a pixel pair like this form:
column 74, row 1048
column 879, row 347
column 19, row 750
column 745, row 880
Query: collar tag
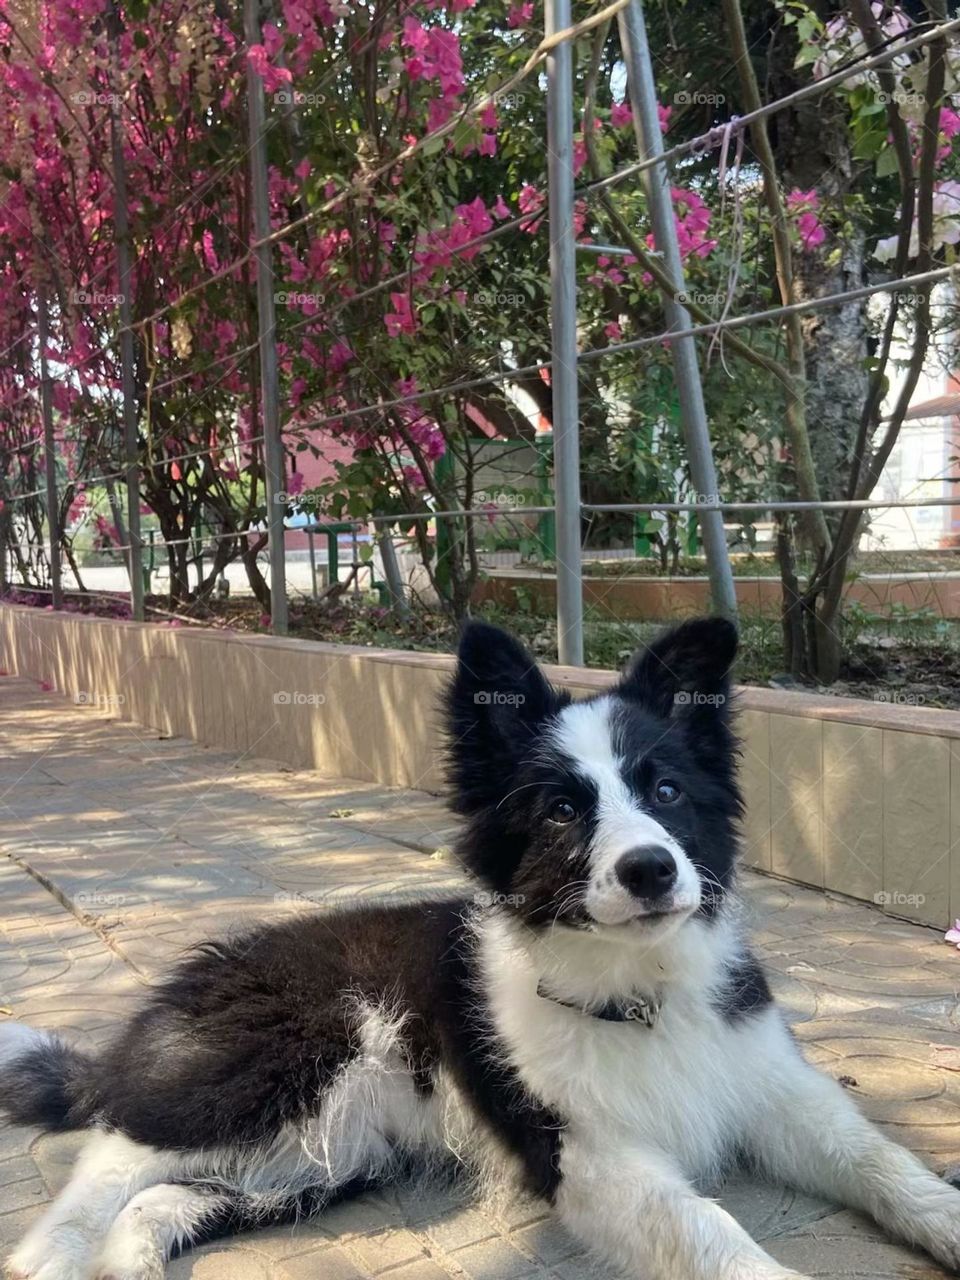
column 642, row 1010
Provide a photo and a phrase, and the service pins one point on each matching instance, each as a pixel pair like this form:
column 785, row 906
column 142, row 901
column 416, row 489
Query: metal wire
column 904, row 283
column 696, row 145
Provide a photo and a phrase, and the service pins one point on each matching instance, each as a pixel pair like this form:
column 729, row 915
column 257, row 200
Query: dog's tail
column 44, row 1081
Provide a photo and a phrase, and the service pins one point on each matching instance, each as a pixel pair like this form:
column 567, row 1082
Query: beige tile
column 954, row 858
column 853, row 809
column 754, row 730
column 916, row 826
column 409, row 716
column 796, row 766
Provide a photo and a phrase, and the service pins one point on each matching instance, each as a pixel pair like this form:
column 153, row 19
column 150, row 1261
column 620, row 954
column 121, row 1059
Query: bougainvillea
column 382, row 290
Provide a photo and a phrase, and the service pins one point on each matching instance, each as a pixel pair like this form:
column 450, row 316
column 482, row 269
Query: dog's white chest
column 681, row 1086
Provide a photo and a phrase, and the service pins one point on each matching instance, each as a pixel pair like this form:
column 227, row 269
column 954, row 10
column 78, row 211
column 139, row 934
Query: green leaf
column 886, row 163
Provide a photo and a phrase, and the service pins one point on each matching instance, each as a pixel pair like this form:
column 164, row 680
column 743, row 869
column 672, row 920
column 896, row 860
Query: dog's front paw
column 939, row 1235
column 24, row 1267
column 945, row 1250
column 131, row 1251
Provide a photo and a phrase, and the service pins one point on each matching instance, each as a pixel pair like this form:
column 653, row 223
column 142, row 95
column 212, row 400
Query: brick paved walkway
column 117, row 849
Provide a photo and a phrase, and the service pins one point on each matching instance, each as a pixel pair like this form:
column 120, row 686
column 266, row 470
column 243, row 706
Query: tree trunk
column 812, row 144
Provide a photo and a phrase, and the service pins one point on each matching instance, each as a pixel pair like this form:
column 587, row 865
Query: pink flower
column 802, row 205
column 613, row 331
column 621, row 115
column 401, row 319
column 474, row 217
column 531, row 200
column 811, row 231
column 798, row 199
column 519, row 15
column 500, row 208
column 953, row 935
column 415, row 34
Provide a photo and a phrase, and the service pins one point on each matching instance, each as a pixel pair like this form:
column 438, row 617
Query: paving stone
column 14, row 1225
column 19, row 1169
column 768, row 1211
column 332, row 1265
column 464, row 1227
column 223, row 1264
column 423, row 1269
column 192, row 841
column 847, row 1246
column 23, row 1195
column 547, row 1241
column 389, row 1248
column 494, row 1259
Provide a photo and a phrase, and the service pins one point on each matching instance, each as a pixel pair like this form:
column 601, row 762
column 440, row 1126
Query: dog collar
column 644, row 1010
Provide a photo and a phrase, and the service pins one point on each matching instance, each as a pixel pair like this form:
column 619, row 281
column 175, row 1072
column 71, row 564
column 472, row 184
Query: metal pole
column 131, row 466
column 391, row 572
column 313, row 562
column 5, row 522
column 693, row 414
column 49, row 454
column 355, row 561
column 563, row 326
column 267, row 331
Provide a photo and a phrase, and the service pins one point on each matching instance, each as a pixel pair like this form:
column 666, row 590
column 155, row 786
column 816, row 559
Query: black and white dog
column 591, row 1022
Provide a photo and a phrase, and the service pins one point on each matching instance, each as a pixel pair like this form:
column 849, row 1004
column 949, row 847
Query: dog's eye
column 667, row 792
column 562, row 812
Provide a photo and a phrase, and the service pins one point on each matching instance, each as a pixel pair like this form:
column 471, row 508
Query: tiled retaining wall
column 858, row 797
column 630, row 596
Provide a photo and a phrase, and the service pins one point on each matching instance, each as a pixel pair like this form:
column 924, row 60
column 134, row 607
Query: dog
column 591, row 1024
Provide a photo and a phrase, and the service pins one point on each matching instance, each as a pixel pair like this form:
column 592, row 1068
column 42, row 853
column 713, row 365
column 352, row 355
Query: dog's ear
column 685, row 673
column 493, row 706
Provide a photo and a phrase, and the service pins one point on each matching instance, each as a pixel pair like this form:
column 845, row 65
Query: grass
column 764, row 565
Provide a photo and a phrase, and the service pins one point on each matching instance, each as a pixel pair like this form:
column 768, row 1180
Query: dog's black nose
column 648, row 872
